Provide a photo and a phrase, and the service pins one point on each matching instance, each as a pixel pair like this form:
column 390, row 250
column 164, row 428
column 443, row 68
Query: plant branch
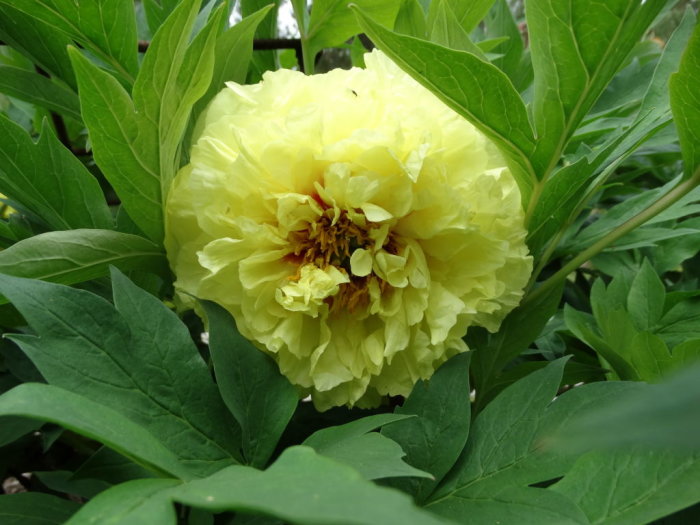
column 643, row 216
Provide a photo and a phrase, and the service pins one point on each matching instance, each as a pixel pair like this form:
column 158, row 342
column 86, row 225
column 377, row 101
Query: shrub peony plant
column 352, row 224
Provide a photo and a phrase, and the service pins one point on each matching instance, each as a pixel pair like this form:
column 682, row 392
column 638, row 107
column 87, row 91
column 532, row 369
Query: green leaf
column 330, row 436
column 110, row 467
column 662, row 416
column 468, row 14
column 435, row 438
column 502, row 437
column 657, row 99
column 123, row 148
column 13, row 428
column 174, row 74
column 371, row 454
column 105, row 27
column 137, row 359
column 157, row 11
column 521, row 505
column 332, row 22
column 42, row 44
column 410, row 20
column 576, row 49
column 645, row 301
column 649, row 356
column 680, row 323
column 74, row 256
column 35, row 508
column 631, row 487
column 514, row 62
column 260, row 398
column 48, row 180
column 518, row 330
column 308, row 489
column 506, row 448
column 374, row 456
column 138, row 502
column 93, row 420
column 686, row 105
column 37, row 89
column 447, row 31
column 234, row 49
column 460, row 79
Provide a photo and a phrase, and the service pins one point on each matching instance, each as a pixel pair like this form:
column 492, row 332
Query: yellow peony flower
column 353, row 225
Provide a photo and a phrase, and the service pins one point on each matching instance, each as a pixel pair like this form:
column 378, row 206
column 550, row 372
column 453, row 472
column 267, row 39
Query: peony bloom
column 352, row 224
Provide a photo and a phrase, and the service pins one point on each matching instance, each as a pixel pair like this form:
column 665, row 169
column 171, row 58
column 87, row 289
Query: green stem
column 643, row 216
column 308, row 57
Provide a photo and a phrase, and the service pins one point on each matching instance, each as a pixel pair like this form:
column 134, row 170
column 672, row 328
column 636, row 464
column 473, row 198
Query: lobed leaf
column 259, row 397
column 46, row 179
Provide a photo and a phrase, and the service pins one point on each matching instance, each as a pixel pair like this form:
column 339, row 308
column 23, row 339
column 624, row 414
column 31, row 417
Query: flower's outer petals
column 353, row 225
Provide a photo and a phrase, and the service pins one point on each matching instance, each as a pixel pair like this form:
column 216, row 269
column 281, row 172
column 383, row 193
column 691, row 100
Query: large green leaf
column 576, row 49
column 35, row 508
column 123, row 148
column 74, row 256
column 260, row 398
column 136, row 144
column 505, row 447
column 41, row 43
column 300, row 487
column 519, row 329
column 475, row 89
column 94, row 420
column 39, row 90
column 49, row 181
column 303, row 487
column 138, row 502
column 106, row 27
column 435, row 438
column 173, row 76
column 137, row 359
column 686, row 104
column 513, row 60
column 371, row 454
column 663, row 416
column 634, row 486
column 521, row 505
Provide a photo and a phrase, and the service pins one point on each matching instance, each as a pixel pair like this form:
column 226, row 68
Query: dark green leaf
column 521, row 505
column 13, row 428
column 260, row 398
column 93, row 420
column 460, row 80
column 663, row 416
column 330, row 436
column 137, row 359
column 645, row 301
column 632, row 486
column 519, row 329
column 35, row 508
column 39, row 90
column 74, row 256
column 110, row 467
column 435, row 438
column 686, row 105
column 308, row 489
column 48, row 180
column 138, row 502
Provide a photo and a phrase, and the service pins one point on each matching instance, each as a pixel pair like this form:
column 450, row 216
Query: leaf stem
column 643, row 216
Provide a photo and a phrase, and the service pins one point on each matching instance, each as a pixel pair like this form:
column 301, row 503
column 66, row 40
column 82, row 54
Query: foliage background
column 114, row 410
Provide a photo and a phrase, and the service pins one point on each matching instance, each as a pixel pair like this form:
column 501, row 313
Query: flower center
column 331, row 242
